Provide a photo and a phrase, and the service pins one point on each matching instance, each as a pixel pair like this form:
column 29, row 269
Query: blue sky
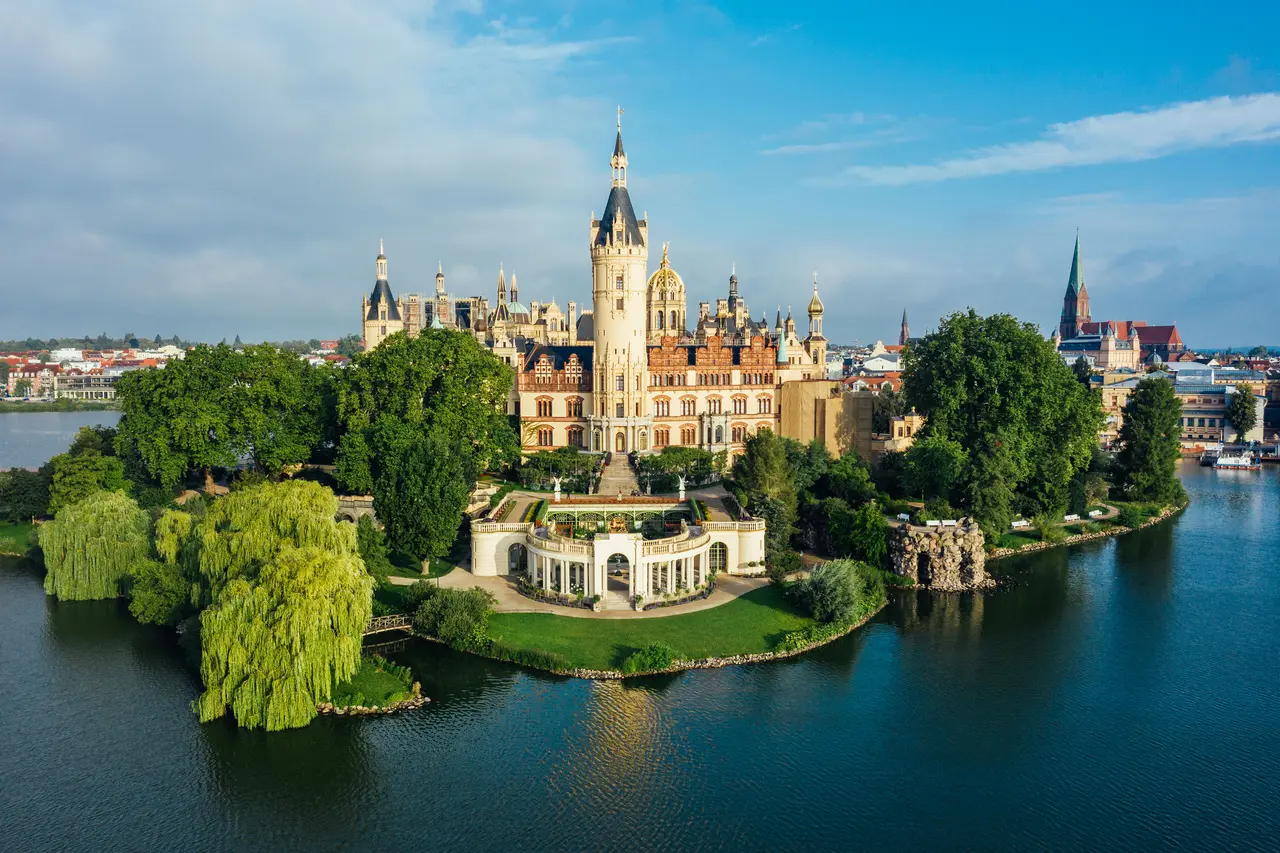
column 217, row 171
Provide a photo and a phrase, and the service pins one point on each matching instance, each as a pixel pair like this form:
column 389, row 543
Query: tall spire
column 502, row 285
column 1075, row 283
column 618, row 161
column 905, row 334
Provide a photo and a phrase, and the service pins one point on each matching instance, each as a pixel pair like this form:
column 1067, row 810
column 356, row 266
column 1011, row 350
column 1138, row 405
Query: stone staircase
column 615, row 600
column 618, row 476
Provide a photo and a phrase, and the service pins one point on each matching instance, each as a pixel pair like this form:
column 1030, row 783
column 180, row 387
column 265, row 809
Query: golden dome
column 815, row 304
column 665, row 280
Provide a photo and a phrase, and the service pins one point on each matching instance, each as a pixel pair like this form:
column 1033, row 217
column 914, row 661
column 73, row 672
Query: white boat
column 1238, row 460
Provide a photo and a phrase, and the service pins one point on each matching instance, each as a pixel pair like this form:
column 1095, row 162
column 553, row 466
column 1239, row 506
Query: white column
column 546, row 573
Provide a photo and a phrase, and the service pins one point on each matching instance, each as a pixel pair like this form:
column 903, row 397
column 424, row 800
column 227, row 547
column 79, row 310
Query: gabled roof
column 559, row 356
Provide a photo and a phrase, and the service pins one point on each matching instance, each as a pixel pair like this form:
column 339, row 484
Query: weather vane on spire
column 620, row 112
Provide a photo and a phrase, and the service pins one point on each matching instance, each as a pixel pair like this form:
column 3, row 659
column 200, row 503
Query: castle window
column 542, row 370
column 659, row 319
column 544, row 436
column 619, row 382
column 688, row 406
column 573, row 370
column 573, row 406
column 661, row 437
column 688, row 435
column 739, row 434
column 575, row 436
column 765, row 405
column 618, row 304
column 713, row 405
column 719, row 435
column 544, row 407
column 661, row 408
column 619, row 411
column 618, row 283
column 739, row 405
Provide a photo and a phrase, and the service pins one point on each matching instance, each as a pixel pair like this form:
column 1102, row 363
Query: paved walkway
column 509, row 599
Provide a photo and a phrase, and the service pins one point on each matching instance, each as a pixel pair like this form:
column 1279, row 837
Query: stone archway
column 517, row 559
column 617, row 573
column 620, row 442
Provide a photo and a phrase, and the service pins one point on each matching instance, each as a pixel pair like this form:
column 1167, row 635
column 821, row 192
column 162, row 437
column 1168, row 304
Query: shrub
column 159, row 594
column 778, row 564
column 458, row 617
column 936, row 509
column 1048, row 528
column 654, row 657
column 1131, row 516
column 372, row 544
column 841, row 591
column 811, row 635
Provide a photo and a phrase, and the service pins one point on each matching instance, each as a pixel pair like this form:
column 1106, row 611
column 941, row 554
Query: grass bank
column 378, row 682
column 15, row 538
column 60, row 406
column 751, row 624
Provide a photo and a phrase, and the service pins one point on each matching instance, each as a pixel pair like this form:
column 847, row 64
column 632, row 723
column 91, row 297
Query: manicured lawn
column 14, row 538
column 1017, row 540
column 372, row 685
column 751, row 624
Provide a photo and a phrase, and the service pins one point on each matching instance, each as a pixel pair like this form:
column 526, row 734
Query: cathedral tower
column 1075, row 304
column 619, row 274
column 816, row 343
column 381, row 313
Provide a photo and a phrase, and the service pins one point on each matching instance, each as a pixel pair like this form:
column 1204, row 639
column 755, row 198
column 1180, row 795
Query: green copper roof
column 1075, row 283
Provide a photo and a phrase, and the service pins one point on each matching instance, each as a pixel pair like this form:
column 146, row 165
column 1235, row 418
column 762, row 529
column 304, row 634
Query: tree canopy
column 999, row 390
column 1242, row 411
column 1149, row 443
column 443, row 383
column 218, row 405
column 289, row 600
column 91, row 547
column 421, row 490
column 78, row 475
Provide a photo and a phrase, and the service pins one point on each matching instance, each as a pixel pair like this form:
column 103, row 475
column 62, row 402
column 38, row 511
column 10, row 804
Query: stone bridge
column 352, row 507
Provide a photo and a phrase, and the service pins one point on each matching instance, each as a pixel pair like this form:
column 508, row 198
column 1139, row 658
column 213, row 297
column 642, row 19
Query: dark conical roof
column 382, row 294
column 619, row 203
column 617, row 145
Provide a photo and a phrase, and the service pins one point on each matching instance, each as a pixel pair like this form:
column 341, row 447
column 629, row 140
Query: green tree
column 869, row 534
column 91, row 547
column 1083, row 371
column 216, row 405
column 1149, row 443
column 458, row 617
column 1241, row 411
column 75, row 477
column 887, row 405
column 1259, row 352
column 159, row 593
column 933, row 466
column 980, row 377
column 24, row 494
column 289, row 600
column 100, row 439
column 22, row 388
column 350, row 346
column 849, row 479
column 442, row 383
column 841, row 591
column 988, row 487
column 372, row 545
column 421, row 492
column 4, row 374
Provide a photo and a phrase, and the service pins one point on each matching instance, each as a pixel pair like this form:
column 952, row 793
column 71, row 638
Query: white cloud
column 1114, row 138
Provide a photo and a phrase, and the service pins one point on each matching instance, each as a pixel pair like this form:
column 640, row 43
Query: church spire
column 904, row 334
column 1075, row 304
column 502, row 286
column 1075, row 283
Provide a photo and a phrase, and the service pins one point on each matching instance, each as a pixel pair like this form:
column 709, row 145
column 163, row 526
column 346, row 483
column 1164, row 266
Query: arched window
column 545, row 438
column 713, row 405
column 718, row 557
column 661, row 437
column 688, row 435
column 573, row 406
column 739, row 405
column 688, row 406
column 643, row 440
column 719, row 435
column 661, row 408
column 658, row 317
column 674, row 323
column 575, row 436
column 765, row 405
column 739, row 433
column 620, row 442
column 544, row 407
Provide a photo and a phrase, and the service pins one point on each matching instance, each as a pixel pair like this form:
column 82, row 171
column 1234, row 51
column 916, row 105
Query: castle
column 632, row 374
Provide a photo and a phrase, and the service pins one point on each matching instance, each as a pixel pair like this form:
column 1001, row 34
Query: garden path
column 509, row 599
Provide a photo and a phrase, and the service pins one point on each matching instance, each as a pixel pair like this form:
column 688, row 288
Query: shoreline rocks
column 1117, row 530
column 417, row 700
column 942, row 559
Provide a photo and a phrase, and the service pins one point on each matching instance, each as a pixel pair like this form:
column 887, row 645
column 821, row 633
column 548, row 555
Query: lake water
column 1121, row 695
column 28, row 439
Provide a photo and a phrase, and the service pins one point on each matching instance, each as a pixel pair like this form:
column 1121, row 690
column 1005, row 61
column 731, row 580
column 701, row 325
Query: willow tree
column 90, row 547
column 272, row 649
column 289, row 596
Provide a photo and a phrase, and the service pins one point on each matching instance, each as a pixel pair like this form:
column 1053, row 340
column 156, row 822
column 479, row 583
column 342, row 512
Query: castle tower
column 380, row 312
column 1075, row 304
column 816, row 343
column 619, row 279
column 904, row 334
column 666, row 302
